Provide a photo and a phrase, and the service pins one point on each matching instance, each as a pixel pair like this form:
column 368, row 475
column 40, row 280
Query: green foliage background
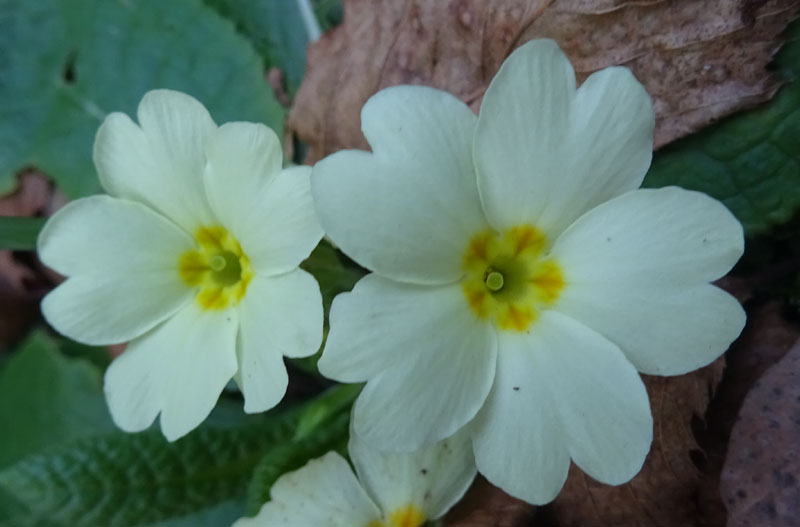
column 63, row 65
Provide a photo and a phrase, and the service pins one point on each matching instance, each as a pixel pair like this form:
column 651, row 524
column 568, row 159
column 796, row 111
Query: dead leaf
column 21, row 282
column 665, row 492
column 762, row 469
column 485, row 505
column 699, row 59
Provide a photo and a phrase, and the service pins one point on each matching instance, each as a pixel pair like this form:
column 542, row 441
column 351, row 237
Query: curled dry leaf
column 670, row 490
column 760, row 480
column 699, row 59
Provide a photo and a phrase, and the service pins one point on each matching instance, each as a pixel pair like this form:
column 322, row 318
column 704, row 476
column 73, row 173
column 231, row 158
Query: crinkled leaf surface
column 65, row 64
column 751, row 161
column 47, row 399
column 129, row 480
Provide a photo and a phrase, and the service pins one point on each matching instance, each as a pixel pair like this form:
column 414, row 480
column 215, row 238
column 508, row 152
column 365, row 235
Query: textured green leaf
column 47, row 399
column 19, row 234
column 64, row 64
column 292, row 456
column 140, row 479
column 277, row 31
column 751, row 161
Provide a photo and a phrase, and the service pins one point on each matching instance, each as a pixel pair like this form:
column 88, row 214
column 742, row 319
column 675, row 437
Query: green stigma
column 494, row 281
column 225, row 268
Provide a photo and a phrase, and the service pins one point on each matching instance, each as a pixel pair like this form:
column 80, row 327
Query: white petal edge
column 283, row 229
column 280, row 316
column 538, row 140
column 178, row 369
column 518, row 439
column 663, row 330
column 159, row 162
column 432, row 479
column 269, row 210
column 589, row 403
column 408, row 210
column 428, row 360
column 121, row 259
column 324, row 492
column 636, row 270
column 602, row 402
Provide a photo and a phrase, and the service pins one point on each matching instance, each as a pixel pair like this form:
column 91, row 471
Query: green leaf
column 139, row 479
column 222, row 514
column 65, row 64
column 19, row 234
column 329, row 13
column 277, row 31
column 47, row 399
column 751, row 161
column 292, row 456
column 326, row 407
column 334, row 274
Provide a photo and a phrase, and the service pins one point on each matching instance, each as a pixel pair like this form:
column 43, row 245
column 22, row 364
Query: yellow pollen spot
column 408, row 516
column 219, row 268
column 509, row 278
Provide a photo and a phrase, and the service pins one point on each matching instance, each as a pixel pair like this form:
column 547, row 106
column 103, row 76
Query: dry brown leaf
column 762, row 469
column 21, row 285
column 665, row 493
column 485, row 505
column 699, row 59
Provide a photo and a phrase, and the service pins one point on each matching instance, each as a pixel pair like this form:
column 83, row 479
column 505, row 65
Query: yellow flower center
column 508, row 279
column 408, row 516
column 218, row 267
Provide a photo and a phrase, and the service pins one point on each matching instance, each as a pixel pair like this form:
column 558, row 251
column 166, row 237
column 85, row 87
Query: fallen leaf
column 485, row 505
column 699, row 59
column 665, row 492
column 21, row 283
column 760, row 479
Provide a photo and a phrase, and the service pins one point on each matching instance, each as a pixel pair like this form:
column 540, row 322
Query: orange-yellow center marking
column 509, row 278
column 408, row 516
column 219, row 268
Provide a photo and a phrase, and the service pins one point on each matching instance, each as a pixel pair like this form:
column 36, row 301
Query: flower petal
column 561, row 389
column 270, row 211
column 432, row 479
column 407, row 210
column 518, row 439
column 428, row 361
column 538, row 139
column 636, row 270
column 122, row 260
column 161, row 161
column 280, row 316
column 602, row 402
column 179, row 368
column 324, row 492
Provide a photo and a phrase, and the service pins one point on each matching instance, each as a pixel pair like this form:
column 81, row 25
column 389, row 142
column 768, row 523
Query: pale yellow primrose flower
column 193, row 259
column 520, row 278
column 390, row 490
